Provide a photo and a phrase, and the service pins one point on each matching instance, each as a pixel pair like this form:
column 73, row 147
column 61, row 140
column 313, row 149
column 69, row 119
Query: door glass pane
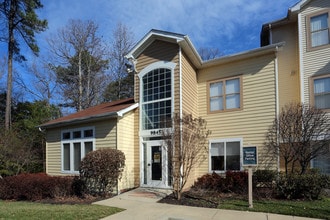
column 156, row 165
column 66, row 156
column 76, row 156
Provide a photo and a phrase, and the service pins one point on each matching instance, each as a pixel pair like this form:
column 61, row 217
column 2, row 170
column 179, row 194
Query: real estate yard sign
column 250, row 158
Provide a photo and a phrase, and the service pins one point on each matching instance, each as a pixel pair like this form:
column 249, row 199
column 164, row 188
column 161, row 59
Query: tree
column 81, row 69
column 186, row 147
column 22, row 23
column 298, row 135
column 22, row 148
column 42, row 81
column 122, row 82
column 209, row 53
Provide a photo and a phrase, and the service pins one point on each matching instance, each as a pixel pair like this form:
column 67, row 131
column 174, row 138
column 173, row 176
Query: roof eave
column 244, row 55
column 79, row 120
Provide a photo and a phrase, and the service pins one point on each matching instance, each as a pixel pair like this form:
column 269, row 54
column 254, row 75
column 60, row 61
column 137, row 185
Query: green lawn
column 313, row 209
column 30, row 210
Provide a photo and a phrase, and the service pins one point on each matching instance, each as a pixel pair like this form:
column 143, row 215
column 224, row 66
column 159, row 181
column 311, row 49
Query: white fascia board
column 299, row 5
column 128, row 109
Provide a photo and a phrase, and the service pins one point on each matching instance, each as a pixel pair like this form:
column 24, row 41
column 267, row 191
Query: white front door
column 155, row 165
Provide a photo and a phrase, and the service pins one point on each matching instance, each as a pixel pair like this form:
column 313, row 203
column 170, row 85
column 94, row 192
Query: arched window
column 156, row 98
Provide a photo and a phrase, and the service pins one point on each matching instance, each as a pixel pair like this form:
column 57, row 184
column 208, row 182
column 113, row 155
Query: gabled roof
column 180, row 39
column 106, row 110
column 189, row 49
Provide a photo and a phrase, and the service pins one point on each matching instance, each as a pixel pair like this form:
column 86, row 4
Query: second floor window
column 225, row 94
column 156, row 98
column 321, row 92
column 319, row 30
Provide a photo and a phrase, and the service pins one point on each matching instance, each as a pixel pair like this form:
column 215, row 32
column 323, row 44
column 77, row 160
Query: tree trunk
column 80, row 81
column 10, row 66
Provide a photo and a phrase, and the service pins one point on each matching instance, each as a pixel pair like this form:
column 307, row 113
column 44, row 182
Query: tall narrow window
column 225, row 94
column 156, row 98
column 321, row 92
column 318, row 30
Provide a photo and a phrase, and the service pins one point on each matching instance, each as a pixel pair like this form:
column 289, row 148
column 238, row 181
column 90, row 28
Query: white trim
column 277, row 107
column 153, row 66
column 128, row 109
column 301, row 59
column 211, row 141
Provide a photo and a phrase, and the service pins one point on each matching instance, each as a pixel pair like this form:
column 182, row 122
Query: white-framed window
column 225, row 154
column 156, row 98
column 75, row 144
column 225, row 94
column 321, row 92
column 318, row 29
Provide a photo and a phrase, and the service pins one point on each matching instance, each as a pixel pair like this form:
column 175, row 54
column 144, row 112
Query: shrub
column 232, row 182
column 34, row 187
column 305, row 186
column 264, row 182
column 237, row 181
column 101, row 169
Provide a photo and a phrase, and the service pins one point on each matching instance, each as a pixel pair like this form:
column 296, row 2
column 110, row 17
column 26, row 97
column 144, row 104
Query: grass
column 312, row 209
column 30, row 210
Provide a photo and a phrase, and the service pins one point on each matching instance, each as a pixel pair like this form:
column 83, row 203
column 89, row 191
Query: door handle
column 148, row 164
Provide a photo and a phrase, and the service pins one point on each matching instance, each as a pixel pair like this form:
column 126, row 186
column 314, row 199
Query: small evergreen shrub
column 305, row 186
column 34, row 187
column 100, row 170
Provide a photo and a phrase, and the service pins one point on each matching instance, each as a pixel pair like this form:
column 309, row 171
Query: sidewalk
column 141, row 203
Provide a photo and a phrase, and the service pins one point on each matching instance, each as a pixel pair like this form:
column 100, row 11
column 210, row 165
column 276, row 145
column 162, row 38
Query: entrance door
column 155, row 169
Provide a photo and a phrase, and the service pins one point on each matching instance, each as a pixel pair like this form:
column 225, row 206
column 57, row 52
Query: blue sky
column 232, row 26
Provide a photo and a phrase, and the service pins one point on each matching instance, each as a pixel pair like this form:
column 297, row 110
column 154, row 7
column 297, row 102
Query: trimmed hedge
column 34, row 187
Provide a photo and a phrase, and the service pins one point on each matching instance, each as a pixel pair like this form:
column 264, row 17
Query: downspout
column 277, row 107
column 180, row 106
column 270, row 34
column 301, row 61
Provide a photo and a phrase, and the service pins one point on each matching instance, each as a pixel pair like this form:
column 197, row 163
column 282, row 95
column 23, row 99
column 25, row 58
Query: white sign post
column 250, row 159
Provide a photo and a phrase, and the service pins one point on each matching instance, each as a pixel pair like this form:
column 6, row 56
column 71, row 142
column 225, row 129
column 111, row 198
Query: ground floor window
column 75, row 145
column 225, row 154
column 322, row 163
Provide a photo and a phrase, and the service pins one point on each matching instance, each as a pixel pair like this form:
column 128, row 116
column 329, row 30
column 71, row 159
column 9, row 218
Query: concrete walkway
column 141, row 203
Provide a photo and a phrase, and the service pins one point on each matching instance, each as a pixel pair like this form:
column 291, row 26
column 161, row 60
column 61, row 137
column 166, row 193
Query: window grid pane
column 225, row 95
column 322, row 93
column 76, row 156
column 66, row 156
column 157, row 92
column 319, row 28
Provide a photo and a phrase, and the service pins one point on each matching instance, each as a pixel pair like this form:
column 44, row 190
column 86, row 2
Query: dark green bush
column 305, row 186
column 100, row 170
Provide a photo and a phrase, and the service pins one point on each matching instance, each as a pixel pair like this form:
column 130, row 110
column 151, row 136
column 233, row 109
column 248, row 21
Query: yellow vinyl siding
column 159, row 51
column 105, row 136
column 259, row 103
column 288, row 63
column 126, row 144
column 189, row 87
column 315, row 62
column 53, row 152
